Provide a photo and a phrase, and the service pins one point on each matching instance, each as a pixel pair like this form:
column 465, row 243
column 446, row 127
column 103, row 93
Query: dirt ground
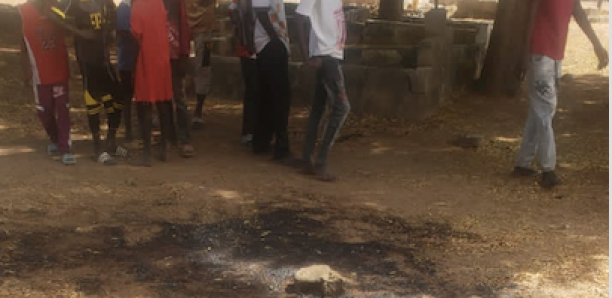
column 412, row 217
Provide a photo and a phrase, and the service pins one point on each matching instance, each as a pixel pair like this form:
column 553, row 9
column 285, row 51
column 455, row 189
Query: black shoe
column 550, row 180
column 524, row 172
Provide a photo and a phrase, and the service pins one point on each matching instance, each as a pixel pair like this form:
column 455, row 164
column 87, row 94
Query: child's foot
column 52, row 149
column 106, row 159
column 69, row 159
column 197, row 123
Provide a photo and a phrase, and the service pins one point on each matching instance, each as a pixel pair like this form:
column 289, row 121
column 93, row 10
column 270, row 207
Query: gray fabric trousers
column 539, row 137
column 330, row 92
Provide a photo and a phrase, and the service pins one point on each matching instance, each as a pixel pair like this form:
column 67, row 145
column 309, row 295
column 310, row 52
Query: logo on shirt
column 96, row 20
column 47, row 38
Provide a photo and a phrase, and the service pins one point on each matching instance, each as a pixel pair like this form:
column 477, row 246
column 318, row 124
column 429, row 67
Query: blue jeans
column 539, row 136
column 331, row 92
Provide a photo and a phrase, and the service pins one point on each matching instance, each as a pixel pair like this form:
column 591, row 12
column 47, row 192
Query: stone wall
column 393, row 69
column 411, row 94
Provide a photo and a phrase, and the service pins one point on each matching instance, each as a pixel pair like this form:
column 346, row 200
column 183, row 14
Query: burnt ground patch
column 235, row 257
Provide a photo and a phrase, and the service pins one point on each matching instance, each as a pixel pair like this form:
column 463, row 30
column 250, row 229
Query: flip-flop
column 106, row 159
column 69, row 159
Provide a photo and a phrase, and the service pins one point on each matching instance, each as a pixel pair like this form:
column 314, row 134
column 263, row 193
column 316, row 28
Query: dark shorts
column 99, row 81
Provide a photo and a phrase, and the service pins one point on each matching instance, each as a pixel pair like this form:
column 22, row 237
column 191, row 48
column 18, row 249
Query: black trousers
column 274, row 100
column 249, row 74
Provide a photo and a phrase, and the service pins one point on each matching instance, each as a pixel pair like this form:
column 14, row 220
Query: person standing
column 549, row 25
column 271, row 41
column 153, row 74
column 127, row 49
column 202, row 21
column 241, row 14
column 324, row 51
column 45, row 65
column 94, row 21
column 179, row 38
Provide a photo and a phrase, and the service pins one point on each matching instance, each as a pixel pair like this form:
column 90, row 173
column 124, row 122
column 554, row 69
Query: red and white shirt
column 328, row 34
column 46, row 46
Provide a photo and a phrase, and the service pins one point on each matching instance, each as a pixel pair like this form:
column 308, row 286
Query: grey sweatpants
column 330, row 91
column 539, row 137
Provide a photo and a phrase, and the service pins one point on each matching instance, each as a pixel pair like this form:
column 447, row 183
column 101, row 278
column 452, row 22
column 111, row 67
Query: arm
column 587, row 28
column 58, row 17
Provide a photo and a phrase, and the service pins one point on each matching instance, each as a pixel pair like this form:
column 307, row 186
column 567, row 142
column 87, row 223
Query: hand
column 602, row 55
column 315, row 62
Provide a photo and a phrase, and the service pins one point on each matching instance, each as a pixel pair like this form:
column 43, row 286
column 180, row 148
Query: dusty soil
column 412, row 217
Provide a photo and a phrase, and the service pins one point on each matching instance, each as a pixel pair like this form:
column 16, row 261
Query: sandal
column 106, row 159
column 69, row 159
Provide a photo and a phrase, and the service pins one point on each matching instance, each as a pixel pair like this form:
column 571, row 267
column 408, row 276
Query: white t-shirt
column 278, row 20
column 328, row 34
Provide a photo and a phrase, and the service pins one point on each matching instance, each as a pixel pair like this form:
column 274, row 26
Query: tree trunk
column 506, row 48
column 391, row 10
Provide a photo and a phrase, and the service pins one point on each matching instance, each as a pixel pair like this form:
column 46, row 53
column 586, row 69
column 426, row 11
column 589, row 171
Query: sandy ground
column 412, row 217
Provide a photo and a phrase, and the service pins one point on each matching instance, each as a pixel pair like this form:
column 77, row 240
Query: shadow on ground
column 238, row 257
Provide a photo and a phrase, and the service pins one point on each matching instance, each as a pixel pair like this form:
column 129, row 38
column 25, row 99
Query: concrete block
column 381, row 58
column 355, row 77
column 379, row 34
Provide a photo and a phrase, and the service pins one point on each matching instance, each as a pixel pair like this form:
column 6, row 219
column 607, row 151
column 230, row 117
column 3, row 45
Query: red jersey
column 46, row 47
column 551, row 27
column 153, row 74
